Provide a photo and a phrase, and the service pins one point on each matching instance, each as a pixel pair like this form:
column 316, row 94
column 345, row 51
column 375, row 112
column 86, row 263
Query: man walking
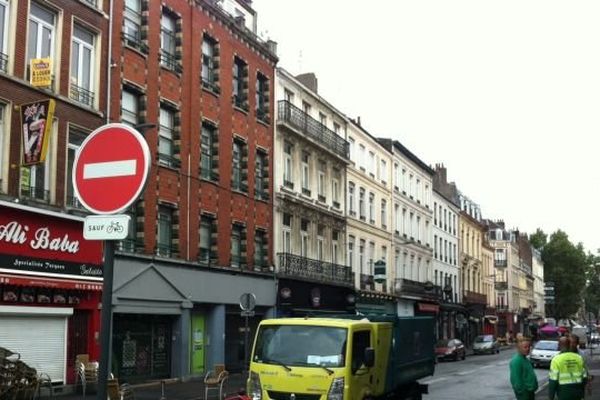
column 522, row 377
column 568, row 374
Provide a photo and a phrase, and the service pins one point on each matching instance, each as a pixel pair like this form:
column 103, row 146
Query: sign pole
column 246, row 361
column 106, row 326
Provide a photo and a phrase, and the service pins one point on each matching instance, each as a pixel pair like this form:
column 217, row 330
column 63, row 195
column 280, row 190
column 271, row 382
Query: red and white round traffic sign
column 111, row 168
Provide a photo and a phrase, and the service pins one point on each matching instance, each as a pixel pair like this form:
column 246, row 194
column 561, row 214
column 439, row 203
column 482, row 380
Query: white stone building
column 538, row 284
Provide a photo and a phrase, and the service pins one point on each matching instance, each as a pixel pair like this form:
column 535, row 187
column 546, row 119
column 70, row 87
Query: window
column 418, row 229
column 260, row 249
column 334, row 246
column 240, row 84
column 304, row 224
column 4, row 14
column 76, row 137
column 132, row 22
column 396, row 176
column 371, row 257
column 383, row 213
column 168, row 27
column 335, row 192
column 351, row 241
column 404, row 222
column 262, row 98
column 351, row 149
column 434, row 213
column 404, row 185
column 82, row 66
column 337, row 128
column 361, row 204
column 288, row 96
column 305, row 174
column 287, row 233
column 418, row 191
column 288, row 180
column 351, row 190
column 210, row 65
column 320, row 242
column 360, row 341
column 323, row 120
column 236, row 180
column 362, row 160
column 372, row 165
column 372, row 208
column 130, row 107
column 321, row 182
column 42, row 24
column 261, row 183
column 397, row 219
column 306, row 107
column 209, row 149
column 207, row 228
column 165, row 234
column 236, row 245
column 361, row 256
column 165, row 137
column 383, row 171
column 435, row 249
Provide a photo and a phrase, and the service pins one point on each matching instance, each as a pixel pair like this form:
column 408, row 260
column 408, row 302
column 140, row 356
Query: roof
column 389, row 143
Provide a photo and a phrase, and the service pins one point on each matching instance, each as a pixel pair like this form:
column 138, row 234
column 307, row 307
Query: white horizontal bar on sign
column 109, row 169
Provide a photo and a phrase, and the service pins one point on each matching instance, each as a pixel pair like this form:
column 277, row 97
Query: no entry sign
column 111, row 168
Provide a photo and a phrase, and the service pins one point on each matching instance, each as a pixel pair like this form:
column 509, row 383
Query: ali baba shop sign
column 40, row 244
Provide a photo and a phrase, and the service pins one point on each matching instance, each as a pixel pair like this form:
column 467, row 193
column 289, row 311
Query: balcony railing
column 82, row 95
column 412, row 288
column 74, row 202
column 129, row 245
column 500, row 263
column 35, row 193
column 299, row 120
column 322, row 271
column 3, row 62
column 474, row 298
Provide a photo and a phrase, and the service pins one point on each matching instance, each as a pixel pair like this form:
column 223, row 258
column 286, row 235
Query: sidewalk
column 593, row 364
column 174, row 390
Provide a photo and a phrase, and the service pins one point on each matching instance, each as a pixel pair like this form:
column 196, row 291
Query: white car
column 543, row 352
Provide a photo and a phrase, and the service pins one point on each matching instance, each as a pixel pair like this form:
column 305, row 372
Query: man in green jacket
column 568, row 374
column 522, row 377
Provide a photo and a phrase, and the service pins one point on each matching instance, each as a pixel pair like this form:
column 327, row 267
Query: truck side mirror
column 369, row 357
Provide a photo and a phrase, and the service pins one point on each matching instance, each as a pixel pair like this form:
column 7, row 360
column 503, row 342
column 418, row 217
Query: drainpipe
column 110, row 61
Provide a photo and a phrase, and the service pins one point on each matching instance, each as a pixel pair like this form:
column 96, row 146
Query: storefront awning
column 51, row 283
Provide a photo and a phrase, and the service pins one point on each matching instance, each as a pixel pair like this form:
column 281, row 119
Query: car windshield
column 301, row 345
column 484, row 338
column 546, row 345
column 442, row 343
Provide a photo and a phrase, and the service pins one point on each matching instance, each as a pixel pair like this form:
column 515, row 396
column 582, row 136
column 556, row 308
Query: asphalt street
column 477, row 377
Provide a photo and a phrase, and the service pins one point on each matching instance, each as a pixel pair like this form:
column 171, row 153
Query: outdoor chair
column 86, row 372
column 214, row 380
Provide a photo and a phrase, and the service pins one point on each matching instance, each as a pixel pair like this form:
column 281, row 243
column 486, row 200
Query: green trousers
column 525, row 396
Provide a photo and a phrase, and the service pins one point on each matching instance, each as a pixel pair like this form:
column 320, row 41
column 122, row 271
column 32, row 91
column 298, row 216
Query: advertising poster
column 36, row 120
column 41, row 72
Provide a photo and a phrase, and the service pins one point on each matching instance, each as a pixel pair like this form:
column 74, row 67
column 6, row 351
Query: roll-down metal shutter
column 39, row 334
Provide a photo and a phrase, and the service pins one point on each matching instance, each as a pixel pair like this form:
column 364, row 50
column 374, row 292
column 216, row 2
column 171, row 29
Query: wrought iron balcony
column 302, row 267
column 35, row 193
column 82, row 95
column 424, row 290
column 315, row 130
column 73, row 202
column 474, row 298
column 3, row 62
column 500, row 263
column 129, row 245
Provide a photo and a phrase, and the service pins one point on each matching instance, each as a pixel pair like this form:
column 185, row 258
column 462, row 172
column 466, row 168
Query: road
column 477, row 377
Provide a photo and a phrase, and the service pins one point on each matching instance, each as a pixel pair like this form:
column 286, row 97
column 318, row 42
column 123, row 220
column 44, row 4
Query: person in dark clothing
column 522, row 377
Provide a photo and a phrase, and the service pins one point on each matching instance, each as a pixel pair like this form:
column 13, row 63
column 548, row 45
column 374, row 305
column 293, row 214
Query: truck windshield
column 301, row 345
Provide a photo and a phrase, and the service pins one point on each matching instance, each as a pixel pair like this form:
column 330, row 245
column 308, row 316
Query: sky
column 506, row 94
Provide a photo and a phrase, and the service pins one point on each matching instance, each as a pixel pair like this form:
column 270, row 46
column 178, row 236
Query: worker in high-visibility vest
column 568, row 376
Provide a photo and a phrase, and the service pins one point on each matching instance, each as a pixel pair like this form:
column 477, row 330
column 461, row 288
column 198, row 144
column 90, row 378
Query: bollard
column 162, row 391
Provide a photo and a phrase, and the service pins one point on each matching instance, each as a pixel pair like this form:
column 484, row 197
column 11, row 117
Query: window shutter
column 215, row 155
column 214, row 243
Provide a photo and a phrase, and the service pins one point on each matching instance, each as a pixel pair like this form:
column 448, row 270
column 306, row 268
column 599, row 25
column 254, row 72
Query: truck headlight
column 254, row 389
column 336, row 391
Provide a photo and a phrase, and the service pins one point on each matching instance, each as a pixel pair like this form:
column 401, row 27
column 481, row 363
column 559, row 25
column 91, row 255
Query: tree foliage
column 538, row 239
column 592, row 290
column 565, row 264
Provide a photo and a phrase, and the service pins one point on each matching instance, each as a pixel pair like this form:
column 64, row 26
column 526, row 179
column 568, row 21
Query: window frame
column 4, row 36
column 168, row 56
column 77, row 90
column 166, row 134
column 163, row 245
column 41, row 24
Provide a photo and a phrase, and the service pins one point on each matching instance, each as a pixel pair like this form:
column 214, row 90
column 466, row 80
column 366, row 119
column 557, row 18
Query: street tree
column 538, row 239
column 592, row 289
column 565, row 265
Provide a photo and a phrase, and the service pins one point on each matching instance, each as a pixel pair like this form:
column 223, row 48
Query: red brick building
column 50, row 277
column 198, row 82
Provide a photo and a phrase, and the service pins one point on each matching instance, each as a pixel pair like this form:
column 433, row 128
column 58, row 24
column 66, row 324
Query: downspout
column 110, row 61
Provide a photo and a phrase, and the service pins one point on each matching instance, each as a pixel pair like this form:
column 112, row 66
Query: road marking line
column 429, row 382
column 109, row 169
column 543, row 385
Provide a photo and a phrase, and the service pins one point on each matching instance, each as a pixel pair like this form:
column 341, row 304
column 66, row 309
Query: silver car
column 543, row 352
column 486, row 344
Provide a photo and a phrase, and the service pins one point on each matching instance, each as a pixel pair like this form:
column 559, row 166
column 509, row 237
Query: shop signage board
column 106, row 227
column 111, row 168
column 36, row 125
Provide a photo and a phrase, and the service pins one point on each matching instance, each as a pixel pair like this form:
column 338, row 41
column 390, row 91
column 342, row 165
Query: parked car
column 486, row 344
column 452, row 349
column 543, row 352
column 594, row 337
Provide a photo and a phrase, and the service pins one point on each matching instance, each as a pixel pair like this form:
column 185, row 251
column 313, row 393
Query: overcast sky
column 505, row 93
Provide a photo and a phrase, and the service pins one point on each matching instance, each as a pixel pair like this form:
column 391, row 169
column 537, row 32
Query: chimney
column 272, row 46
column 309, row 80
column 441, row 171
column 358, row 120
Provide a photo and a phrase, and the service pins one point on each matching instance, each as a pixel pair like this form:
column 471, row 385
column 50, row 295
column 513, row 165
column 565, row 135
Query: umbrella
column 549, row 329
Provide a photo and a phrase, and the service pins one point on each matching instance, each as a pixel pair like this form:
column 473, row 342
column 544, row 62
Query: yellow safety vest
column 568, row 368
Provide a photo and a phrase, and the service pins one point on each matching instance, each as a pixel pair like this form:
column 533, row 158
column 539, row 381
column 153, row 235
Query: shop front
column 50, row 289
column 378, row 303
column 177, row 320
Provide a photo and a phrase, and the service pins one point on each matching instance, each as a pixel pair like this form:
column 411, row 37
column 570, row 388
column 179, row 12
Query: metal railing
column 322, row 271
column 169, row 61
column 73, row 202
column 299, row 120
column 474, row 298
column 3, row 62
column 82, row 95
column 500, row 263
column 129, row 245
column 35, row 193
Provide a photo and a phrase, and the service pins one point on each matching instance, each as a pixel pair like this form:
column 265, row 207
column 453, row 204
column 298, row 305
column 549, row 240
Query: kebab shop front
column 50, row 289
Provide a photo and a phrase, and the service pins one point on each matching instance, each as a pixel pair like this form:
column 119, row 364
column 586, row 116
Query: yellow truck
column 342, row 358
